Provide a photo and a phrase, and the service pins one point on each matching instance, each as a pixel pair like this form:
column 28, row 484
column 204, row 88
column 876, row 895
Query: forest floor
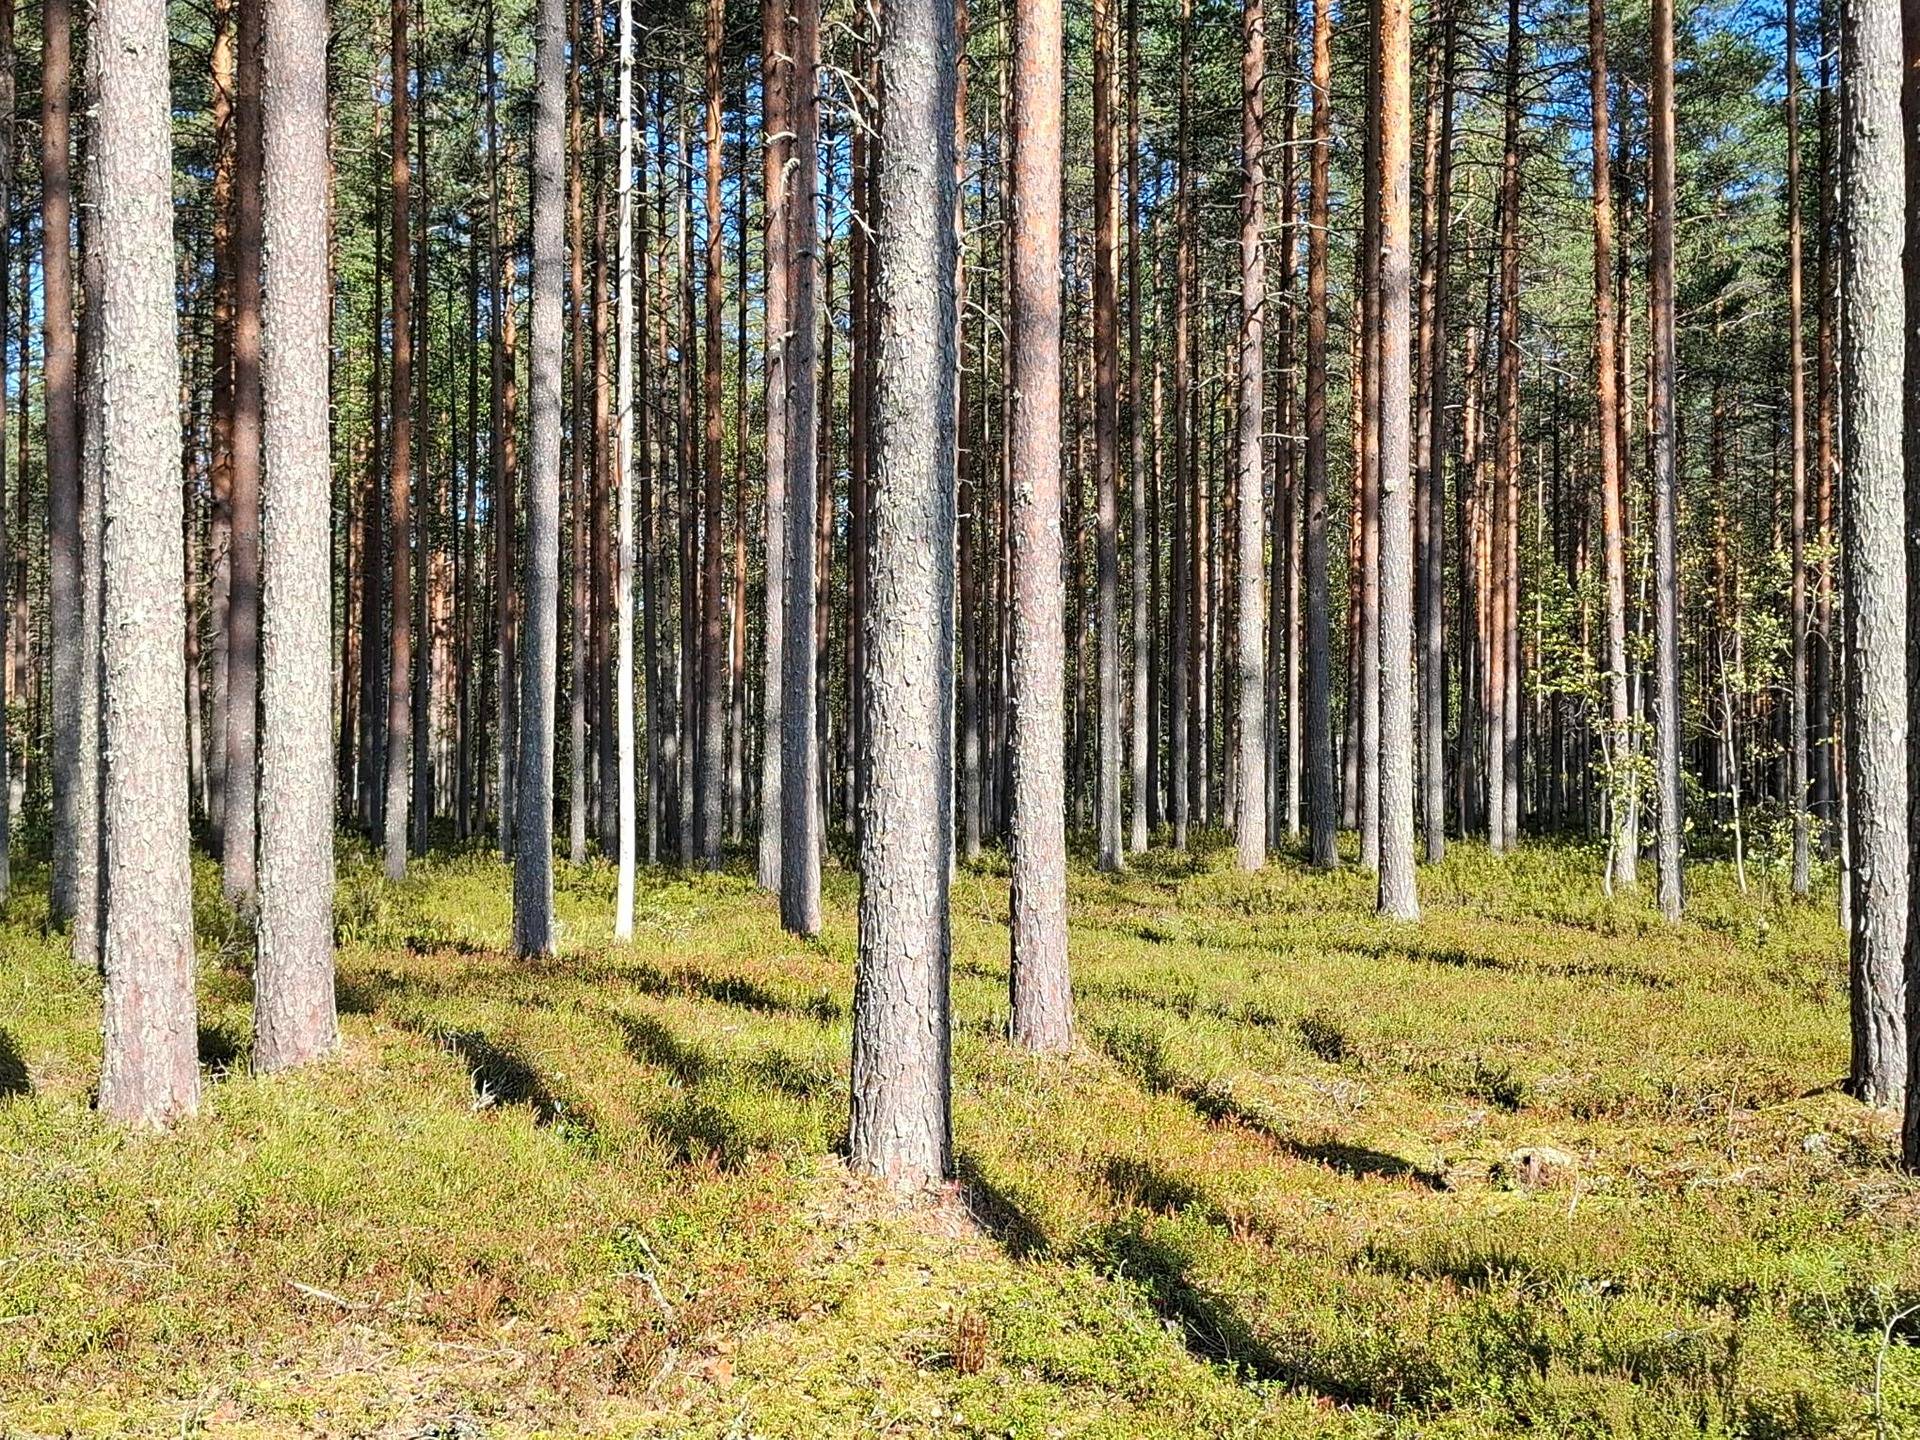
column 1541, row 1164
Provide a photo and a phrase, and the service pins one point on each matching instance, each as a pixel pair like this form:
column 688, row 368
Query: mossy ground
column 1272, row 1193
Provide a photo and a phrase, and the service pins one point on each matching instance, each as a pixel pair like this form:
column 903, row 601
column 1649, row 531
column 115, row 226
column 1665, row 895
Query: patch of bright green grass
column 1288, row 1184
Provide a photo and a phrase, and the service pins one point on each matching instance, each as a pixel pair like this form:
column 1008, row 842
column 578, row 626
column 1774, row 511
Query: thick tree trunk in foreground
column 1397, row 895
column 775, row 75
column 1321, row 797
column 399, row 548
column 901, row 1121
column 239, row 853
column 1042, row 999
column 1666, row 577
column 1250, row 730
column 59, row 378
column 800, row 798
column 713, row 628
column 533, row 832
column 1873, row 352
column 628, row 275
column 1141, row 762
column 1106, row 426
column 293, row 999
column 150, row 1069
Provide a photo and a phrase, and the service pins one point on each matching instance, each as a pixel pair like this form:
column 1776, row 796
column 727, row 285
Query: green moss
column 1270, row 1194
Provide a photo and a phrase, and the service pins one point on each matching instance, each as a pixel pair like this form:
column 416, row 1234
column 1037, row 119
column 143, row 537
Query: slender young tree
column 1250, row 827
column 399, row 756
column 533, row 842
column 1623, row 798
column 1321, row 797
column 630, row 275
column 1042, row 998
column 901, row 1115
column 150, row 1072
column 1666, row 579
column 59, row 380
column 293, row 994
column 1398, row 898
column 800, row 799
column 1874, row 353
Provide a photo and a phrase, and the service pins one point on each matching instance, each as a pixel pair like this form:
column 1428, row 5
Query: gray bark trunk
column 399, row 756
column 239, row 828
column 59, row 379
column 901, row 1121
column 1042, row 1000
column 533, row 832
column 776, row 77
column 1321, row 797
column 1250, row 828
column 293, row 994
column 149, row 1072
column 1666, row 581
column 800, row 835
column 1398, row 898
column 1873, row 488
column 623, row 477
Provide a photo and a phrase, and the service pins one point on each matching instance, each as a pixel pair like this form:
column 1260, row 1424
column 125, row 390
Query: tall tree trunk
column 1665, row 482
column 713, row 627
column 1367, row 438
column 1139, row 755
column 1797, row 445
column 578, row 444
column 800, row 819
column 1397, row 897
column 293, row 975
column 901, row 1121
column 775, row 83
column 1432, row 434
column 150, row 1072
column 1623, row 798
column 1879, row 191
column 533, row 832
column 1106, row 423
column 400, row 610
column 58, row 372
column 1322, row 800
column 737, row 608
column 1250, row 828
column 1041, row 994
column 1181, row 740
column 239, row 850
column 425, row 587
column 629, row 274
column 1503, row 778
column 502, row 389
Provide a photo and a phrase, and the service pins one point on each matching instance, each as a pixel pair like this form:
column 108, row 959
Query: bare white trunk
column 623, row 477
